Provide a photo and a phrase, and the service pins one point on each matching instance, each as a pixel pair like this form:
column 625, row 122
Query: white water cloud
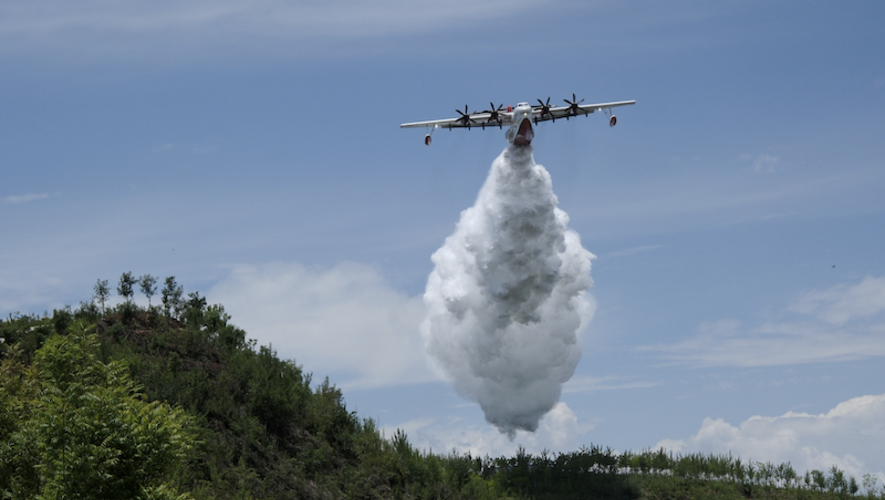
column 842, row 323
column 345, row 321
column 507, row 297
column 849, row 436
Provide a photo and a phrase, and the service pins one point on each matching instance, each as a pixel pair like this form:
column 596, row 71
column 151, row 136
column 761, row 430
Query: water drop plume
column 507, row 297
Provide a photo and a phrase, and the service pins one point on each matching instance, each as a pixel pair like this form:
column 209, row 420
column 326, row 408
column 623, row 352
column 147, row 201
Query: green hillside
column 173, row 401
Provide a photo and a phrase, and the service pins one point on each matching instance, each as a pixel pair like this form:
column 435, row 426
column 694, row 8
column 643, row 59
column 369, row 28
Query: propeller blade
column 545, row 108
column 574, row 105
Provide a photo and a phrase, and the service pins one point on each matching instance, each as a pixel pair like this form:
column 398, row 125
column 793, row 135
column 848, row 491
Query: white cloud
column 128, row 27
column 762, row 163
column 765, row 164
column 28, row 293
column 558, row 430
column 25, row 198
column 345, row 320
column 203, row 150
column 631, row 251
column 841, row 323
column 849, row 436
column 683, row 202
column 844, row 303
column 583, row 383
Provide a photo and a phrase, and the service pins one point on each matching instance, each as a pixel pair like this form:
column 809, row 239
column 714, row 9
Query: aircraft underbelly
column 525, row 134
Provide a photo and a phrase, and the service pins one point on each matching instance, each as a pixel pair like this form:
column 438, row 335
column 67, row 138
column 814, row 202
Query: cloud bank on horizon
column 846, row 436
column 507, row 297
column 842, row 437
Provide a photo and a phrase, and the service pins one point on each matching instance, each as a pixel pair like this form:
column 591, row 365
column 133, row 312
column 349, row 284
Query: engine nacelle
column 613, row 121
column 427, row 139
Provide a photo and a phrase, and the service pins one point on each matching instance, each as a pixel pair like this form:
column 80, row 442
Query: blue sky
column 253, row 150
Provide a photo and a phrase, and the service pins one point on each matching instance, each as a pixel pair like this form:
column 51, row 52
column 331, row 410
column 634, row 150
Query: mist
column 507, row 297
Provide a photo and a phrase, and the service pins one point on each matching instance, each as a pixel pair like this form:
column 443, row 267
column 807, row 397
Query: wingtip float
column 520, row 118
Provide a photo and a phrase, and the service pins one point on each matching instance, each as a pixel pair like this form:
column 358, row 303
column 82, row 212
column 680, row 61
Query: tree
column 148, row 286
column 79, row 428
column 172, row 293
column 818, row 480
column 836, row 482
column 789, row 475
column 194, row 301
column 101, row 293
column 127, row 281
column 853, row 488
column 194, row 307
column 869, row 484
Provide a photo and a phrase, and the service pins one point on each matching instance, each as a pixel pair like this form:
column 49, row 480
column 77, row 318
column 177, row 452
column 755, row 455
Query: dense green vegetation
column 173, row 401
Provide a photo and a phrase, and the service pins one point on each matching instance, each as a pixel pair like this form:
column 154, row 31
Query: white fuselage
column 520, row 132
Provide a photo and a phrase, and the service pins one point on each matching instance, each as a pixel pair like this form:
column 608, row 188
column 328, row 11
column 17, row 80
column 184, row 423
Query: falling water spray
column 507, row 297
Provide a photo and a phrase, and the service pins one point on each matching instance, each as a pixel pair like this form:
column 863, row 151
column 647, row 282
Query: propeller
column 573, row 108
column 545, row 109
column 465, row 117
column 493, row 113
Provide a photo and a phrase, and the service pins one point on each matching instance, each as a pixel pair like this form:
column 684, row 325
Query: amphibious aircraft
column 519, row 118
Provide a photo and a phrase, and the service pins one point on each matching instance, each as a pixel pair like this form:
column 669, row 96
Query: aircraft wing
column 481, row 120
column 558, row 112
